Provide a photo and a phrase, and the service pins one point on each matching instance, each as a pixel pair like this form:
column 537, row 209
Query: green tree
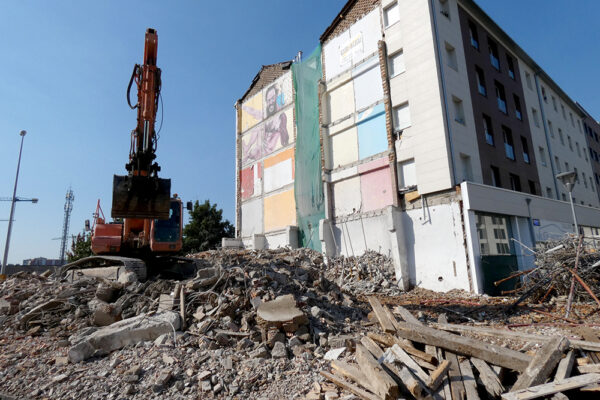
column 81, row 247
column 205, row 228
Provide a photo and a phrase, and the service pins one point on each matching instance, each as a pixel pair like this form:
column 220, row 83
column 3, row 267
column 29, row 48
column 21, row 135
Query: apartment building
column 439, row 141
column 591, row 130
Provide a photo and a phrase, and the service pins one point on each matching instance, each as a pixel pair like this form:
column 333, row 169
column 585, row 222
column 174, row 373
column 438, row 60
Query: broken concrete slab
column 281, row 311
column 125, row 332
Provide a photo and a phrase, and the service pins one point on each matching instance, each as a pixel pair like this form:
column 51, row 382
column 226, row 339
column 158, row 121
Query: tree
column 205, row 228
column 81, row 247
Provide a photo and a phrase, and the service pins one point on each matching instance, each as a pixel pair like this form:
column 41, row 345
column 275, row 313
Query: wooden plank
column 407, row 316
column 542, row 365
column 535, row 392
column 350, row 371
column 445, row 388
column 338, row 380
column 384, row 385
column 505, row 333
column 389, row 340
column 590, row 368
column 372, row 346
column 182, row 308
column 457, row 386
column 469, row 380
column 391, row 316
column 493, row 354
column 404, row 358
column 488, row 377
column 437, row 376
column 381, row 315
column 565, row 366
column 559, row 396
column 590, row 335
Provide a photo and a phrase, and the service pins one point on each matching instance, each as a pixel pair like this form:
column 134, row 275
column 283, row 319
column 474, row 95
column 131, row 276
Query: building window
column 542, row 156
column 550, row 128
column 495, row 176
column 480, row 81
column 511, row 66
column 536, row 118
column 564, row 198
column 563, row 112
column 515, row 182
column 532, row 188
column 473, row 35
column 518, row 112
column 567, row 168
column 500, row 96
column 493, row 49
column 525, row 150
column 576, row 174
column 570, row 143
column 509, row 147
column 402, row 116
column 578, row 149
column 554, row 103
column 549, row 192
column 544, row 95
column 591, row 183
column 583, row 178
column 445, row 8
column 407, row 175
column 560, row 135
column 572, row 121
column 459, row 114
column 451, row 56
column 579, row 126
column 557, row 163
column 396, row 63
column 528, row 80
column 391, row 14
column 487, row 128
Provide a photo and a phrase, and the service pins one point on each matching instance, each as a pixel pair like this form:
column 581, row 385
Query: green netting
column 308, row 186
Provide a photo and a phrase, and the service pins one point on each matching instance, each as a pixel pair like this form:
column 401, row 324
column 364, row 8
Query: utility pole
column 69, row 198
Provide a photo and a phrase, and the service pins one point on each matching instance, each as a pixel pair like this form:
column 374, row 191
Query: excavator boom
column 141, row 193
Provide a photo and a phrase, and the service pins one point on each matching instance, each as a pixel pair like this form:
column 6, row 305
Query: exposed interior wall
column 267, row 158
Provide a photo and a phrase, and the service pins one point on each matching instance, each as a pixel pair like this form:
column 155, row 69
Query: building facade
column 440, row 140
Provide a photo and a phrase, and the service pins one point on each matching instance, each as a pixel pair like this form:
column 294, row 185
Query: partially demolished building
column 418, row 129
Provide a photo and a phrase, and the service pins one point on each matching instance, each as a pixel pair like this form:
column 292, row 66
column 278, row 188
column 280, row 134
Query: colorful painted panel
column 278, row 131
column 344, row 148
column 252, row 111
column 278, row 95
column 279, row 170
column 372, row 134
column 376, row 187
column 252, row 145
column 251, row 181
column 341, row 102
column 280, row 211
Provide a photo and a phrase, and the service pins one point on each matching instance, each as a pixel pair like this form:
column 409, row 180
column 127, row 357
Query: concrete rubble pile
column 368, row 273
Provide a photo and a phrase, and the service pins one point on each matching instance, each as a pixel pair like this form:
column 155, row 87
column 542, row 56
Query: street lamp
column 568, row 179
column 12, row 207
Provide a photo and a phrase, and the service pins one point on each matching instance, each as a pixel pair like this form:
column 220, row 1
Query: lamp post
column 12, row 207
column 568, row 179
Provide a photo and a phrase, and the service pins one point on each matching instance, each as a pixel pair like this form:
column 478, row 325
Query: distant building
column 42, row 261
column 436, row 139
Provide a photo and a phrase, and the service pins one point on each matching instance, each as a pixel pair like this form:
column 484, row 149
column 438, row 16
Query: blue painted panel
column 372, row 136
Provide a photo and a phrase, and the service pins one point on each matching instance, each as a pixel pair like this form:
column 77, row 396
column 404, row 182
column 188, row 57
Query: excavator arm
column 141, row 193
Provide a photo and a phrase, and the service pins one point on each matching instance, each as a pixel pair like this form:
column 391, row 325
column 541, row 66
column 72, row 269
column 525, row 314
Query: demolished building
column 419, row 130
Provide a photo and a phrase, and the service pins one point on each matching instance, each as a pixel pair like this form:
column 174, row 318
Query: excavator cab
column 141, row 197
column 166, row 234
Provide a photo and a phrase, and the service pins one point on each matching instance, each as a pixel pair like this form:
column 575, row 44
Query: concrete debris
column 263, row 324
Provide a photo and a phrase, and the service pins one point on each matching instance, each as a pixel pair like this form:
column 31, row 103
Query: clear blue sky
column 66, row 64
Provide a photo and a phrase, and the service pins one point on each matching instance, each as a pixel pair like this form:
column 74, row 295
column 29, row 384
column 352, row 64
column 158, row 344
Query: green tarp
column 308, row 185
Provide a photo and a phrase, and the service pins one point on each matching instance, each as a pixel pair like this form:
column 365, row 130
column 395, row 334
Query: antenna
column 69, row 198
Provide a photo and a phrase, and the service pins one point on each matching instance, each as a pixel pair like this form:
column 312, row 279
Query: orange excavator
column 148, row 221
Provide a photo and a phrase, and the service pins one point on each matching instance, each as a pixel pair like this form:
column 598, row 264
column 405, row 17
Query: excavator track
column 108, row 267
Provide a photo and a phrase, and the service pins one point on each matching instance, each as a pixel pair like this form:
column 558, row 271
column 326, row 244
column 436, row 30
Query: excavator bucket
column 141, row 197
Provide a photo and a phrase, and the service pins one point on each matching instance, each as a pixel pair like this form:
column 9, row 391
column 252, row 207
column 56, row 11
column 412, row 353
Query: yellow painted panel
column 344, row 148
column 341, row 102
column 252, row 111
column 280, row 210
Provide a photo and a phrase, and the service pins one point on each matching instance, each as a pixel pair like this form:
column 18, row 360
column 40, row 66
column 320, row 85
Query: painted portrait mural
column 252, row 145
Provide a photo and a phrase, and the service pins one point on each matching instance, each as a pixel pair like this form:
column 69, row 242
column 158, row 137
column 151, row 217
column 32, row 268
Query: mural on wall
column 277, row 132
column 278, row 95
column 252, row 145
column 252, row 111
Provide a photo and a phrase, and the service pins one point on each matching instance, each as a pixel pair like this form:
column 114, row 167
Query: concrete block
column 232, row 243
column 125, row 332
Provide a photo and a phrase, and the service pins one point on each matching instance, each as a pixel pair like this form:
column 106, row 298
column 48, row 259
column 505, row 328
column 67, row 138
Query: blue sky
column 66, row 64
